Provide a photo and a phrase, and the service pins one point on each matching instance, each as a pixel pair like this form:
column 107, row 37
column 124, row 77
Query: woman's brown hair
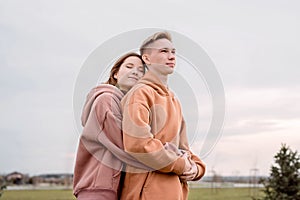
column 116, row 67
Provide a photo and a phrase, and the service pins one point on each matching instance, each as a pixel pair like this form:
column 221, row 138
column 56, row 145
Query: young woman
column 100, row 158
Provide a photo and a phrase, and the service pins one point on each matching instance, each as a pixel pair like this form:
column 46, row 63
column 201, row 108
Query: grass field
column 222, row 193
column 195, row 194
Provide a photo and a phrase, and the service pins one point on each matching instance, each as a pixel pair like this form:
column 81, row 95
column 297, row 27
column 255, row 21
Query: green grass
column 222, row 193
column 195, row 194
column 37, row 195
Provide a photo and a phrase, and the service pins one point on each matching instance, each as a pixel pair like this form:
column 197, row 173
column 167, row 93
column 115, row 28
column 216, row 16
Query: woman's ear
column 146, row 59
column 116, row 76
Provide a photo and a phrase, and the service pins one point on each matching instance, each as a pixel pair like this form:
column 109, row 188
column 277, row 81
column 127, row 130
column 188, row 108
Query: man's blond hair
column 153, row 38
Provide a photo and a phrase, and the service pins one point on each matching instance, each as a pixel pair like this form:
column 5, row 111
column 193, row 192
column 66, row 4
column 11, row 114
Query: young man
column 153, row 126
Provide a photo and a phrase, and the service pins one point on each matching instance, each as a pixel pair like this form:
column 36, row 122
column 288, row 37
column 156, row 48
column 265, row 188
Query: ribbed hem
column 100, row 194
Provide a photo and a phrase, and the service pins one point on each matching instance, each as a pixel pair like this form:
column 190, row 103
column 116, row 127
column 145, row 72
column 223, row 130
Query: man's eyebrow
column 169, row 49
column 165, row 48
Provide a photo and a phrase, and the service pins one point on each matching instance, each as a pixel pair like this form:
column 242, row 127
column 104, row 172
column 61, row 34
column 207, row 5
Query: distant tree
column 284, row 180
column 2, row 187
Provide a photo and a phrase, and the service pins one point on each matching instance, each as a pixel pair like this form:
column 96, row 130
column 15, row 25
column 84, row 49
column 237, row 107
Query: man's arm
column 140, row 142
column 183, row 144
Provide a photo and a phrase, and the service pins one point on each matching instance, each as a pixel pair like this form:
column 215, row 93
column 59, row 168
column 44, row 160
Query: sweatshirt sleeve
column 108, row 118
column 140, row 142
column 108, row 113
column 185, row 146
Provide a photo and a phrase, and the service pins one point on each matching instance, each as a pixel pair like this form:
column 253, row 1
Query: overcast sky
column 254, row 45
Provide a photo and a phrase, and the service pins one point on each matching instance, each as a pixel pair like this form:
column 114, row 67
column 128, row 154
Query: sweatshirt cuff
column 200, row 173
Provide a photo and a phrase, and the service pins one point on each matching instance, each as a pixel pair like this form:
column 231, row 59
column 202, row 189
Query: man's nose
column 172, row 56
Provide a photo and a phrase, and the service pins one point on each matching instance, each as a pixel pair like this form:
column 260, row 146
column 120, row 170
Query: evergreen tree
column 284, row 180
column 2, row 187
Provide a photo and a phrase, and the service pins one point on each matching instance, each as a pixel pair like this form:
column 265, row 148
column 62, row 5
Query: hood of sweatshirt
column 152, row 80
column 92, row 96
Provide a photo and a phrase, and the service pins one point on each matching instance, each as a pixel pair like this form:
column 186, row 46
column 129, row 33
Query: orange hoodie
column 152, row 117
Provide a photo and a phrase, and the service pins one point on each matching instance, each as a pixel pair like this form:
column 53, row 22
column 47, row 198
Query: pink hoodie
column 99, row 156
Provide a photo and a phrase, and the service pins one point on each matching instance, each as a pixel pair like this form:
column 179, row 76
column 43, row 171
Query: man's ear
column 146, row 59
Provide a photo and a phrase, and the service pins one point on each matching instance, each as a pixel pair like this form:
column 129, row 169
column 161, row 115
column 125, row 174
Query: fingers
column 191, row 174
column 187, row 177
column 187, row 166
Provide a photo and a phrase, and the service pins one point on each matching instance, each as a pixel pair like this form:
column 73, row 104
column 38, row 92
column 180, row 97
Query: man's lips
column 171, row 65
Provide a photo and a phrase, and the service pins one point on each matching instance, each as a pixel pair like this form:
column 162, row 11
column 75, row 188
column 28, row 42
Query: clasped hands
column 190, row 170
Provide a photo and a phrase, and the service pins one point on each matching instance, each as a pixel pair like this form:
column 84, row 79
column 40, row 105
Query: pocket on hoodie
column 106, row 177
column 148, row 179
column 158, row 184
column 116, row 179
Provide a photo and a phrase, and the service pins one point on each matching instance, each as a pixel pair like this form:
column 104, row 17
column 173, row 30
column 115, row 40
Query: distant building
column 53, row 179
column 16, row 178
column 2, row 180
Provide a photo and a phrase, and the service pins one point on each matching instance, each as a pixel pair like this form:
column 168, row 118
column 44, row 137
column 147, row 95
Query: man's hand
column 191, row 169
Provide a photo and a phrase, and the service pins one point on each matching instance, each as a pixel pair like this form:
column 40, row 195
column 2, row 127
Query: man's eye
column 163, row 50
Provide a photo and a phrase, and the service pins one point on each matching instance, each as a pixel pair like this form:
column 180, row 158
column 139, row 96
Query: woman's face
column 130, row 72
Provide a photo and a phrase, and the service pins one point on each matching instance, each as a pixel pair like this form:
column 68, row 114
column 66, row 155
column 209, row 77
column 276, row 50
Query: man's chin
column 170, row 70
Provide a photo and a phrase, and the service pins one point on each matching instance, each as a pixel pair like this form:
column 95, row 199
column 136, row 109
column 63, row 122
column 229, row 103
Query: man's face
column 161, row 57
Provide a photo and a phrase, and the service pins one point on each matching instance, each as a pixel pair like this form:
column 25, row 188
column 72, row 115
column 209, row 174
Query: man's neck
column 163, row 78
